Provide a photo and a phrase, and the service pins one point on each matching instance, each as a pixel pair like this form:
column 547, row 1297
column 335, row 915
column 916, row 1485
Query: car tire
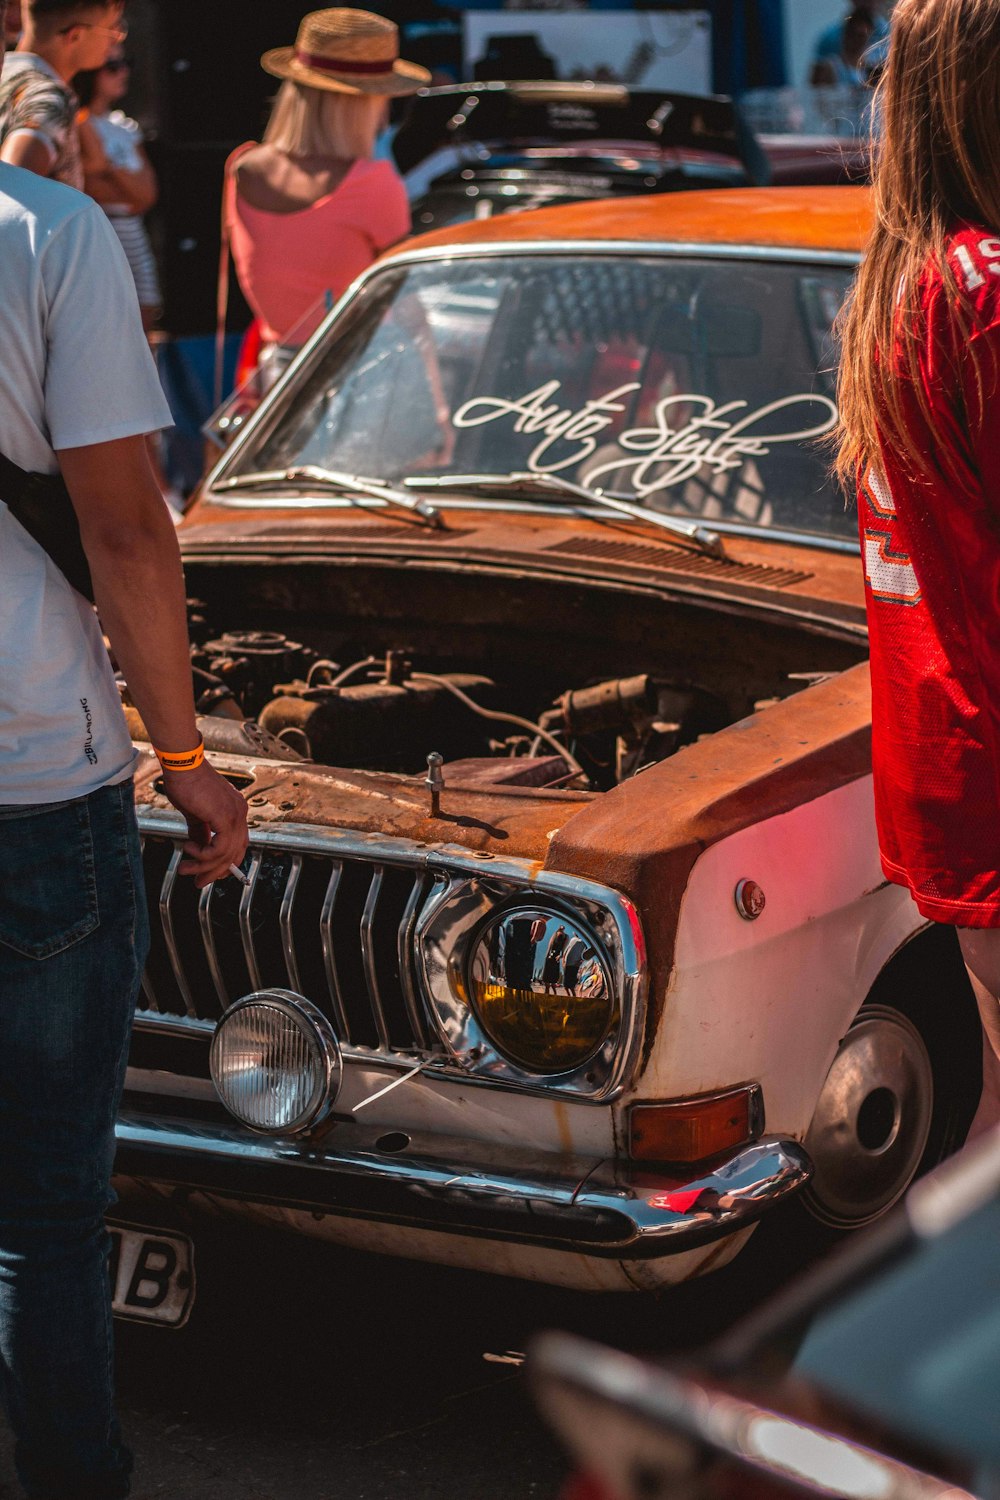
column 902, row 1089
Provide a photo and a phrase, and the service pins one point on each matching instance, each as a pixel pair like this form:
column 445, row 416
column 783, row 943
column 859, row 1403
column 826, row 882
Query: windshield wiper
column 312, row 476
column 529, row 485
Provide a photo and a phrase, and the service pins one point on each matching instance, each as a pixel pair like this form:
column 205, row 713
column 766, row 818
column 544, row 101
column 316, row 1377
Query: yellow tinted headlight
column 541, row 989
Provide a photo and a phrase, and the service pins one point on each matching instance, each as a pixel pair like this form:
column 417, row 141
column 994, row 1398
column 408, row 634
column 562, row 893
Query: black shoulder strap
column 13, row 481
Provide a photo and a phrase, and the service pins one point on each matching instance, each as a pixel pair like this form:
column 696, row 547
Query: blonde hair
column 318, row 122
column 937, row 164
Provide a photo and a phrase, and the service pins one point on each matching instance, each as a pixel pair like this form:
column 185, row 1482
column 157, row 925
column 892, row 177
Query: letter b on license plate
column 152, row 1275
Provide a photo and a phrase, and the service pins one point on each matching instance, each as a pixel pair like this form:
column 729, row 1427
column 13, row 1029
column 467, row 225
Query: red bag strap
column 222, row 284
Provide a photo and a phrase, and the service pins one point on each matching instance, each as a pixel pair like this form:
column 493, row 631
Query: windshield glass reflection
column 694, row 387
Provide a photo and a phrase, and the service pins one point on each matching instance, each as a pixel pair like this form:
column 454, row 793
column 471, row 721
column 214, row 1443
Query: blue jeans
column 73, row 939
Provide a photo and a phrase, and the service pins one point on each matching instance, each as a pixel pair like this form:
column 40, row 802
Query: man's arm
column 131, row 546
column 28, row 149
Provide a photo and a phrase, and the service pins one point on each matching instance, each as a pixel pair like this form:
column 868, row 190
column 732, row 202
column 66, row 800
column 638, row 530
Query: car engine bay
column 515, row 707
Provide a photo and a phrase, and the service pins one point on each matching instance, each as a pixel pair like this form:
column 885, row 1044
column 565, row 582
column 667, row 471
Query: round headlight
column 276, row 1062
column 541, row 989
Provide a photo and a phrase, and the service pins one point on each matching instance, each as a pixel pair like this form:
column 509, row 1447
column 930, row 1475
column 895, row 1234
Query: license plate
column 152, row 1275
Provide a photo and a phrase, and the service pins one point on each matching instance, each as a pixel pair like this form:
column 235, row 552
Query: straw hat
column 347, row 52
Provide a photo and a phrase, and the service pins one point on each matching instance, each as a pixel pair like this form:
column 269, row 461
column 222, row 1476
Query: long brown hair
column 937, row 162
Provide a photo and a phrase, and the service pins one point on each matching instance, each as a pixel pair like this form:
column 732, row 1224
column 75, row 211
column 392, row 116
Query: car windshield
column 695, row 387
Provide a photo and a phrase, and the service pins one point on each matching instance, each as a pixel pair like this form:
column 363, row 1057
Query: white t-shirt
column 75, row 369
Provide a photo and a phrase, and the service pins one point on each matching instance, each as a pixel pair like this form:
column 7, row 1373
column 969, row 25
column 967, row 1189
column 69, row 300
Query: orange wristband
column 181, row 760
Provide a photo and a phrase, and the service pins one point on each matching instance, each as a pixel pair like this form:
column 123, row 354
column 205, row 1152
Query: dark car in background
column 470, row 151
column 473, row 150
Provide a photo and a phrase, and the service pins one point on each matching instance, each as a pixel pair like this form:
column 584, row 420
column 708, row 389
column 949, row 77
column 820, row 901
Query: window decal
column 652, row 458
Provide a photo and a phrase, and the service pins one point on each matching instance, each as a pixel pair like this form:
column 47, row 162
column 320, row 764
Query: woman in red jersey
column 920, row 434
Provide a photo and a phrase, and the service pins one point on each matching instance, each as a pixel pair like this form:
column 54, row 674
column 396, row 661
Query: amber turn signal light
column 691, row 1130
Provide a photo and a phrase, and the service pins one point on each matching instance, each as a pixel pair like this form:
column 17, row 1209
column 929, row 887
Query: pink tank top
column 288, row 262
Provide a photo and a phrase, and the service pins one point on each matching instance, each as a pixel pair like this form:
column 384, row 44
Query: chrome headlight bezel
column 313, row 1024
column 454, row 917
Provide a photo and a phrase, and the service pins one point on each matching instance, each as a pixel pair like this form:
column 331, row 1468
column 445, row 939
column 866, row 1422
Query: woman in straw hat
column 308, row 209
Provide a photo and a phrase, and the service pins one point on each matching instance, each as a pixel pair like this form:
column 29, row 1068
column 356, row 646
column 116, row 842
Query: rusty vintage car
column 531, row 624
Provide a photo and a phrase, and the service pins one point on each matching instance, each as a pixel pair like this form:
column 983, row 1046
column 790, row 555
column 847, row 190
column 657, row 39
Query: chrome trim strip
column 246, row 929
column 847, row 545
column 329, row 956
column 208, row 943
column 172, row 1025
column 363, row 1057
column 581, row 1206
column 368, row 955
column 285, row 923
column 169, row 1085
column 404, row 954
column 709, row 249
column 167, row 924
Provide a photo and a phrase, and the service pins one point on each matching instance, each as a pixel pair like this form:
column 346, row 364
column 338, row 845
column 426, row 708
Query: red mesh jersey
column 931, row 553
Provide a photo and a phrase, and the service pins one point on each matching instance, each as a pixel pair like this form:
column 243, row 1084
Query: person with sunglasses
column 38, row 108
column 117, row 173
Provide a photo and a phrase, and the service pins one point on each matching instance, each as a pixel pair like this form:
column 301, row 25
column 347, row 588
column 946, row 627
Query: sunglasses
column 119, row 32
column 116, row 65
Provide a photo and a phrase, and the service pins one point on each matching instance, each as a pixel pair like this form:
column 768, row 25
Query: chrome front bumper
column 608, row 1208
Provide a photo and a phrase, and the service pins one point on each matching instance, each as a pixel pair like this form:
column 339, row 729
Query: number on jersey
column 889, row 572
column 975, row 268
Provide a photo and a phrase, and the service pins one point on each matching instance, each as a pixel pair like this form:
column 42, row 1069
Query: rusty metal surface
column 821, row 218
column 644, row 836
column 497, row 820
column 801, row 580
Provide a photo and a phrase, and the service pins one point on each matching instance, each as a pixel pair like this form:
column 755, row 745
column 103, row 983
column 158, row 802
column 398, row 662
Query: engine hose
column 488, row 713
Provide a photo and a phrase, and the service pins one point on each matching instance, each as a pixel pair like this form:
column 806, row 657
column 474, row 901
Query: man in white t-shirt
column 78, row 392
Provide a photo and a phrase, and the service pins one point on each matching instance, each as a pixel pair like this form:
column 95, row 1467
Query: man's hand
column 216, row 818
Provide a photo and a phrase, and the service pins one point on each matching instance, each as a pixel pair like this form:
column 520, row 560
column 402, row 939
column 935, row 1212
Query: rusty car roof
column 811, row 218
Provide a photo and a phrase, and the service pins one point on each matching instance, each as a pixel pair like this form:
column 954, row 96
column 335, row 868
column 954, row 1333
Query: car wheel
column 901, row 1091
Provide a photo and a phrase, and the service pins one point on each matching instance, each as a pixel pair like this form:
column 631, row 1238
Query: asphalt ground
column 310, row 1373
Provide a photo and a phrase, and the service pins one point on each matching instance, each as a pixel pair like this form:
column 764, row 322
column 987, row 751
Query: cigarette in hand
column 235, row 870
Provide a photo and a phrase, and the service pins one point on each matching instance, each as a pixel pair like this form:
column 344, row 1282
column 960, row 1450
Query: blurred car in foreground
column 892, row 1395
column 531, row 624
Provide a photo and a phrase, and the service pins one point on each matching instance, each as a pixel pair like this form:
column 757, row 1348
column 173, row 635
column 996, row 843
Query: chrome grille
column 342, row 917
column 335, row 929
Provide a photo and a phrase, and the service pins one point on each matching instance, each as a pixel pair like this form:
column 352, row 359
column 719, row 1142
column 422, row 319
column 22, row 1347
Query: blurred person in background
column 38, row 108
column 117, row 172
column 851, row 65
column 830, row 44
column 308, row 209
